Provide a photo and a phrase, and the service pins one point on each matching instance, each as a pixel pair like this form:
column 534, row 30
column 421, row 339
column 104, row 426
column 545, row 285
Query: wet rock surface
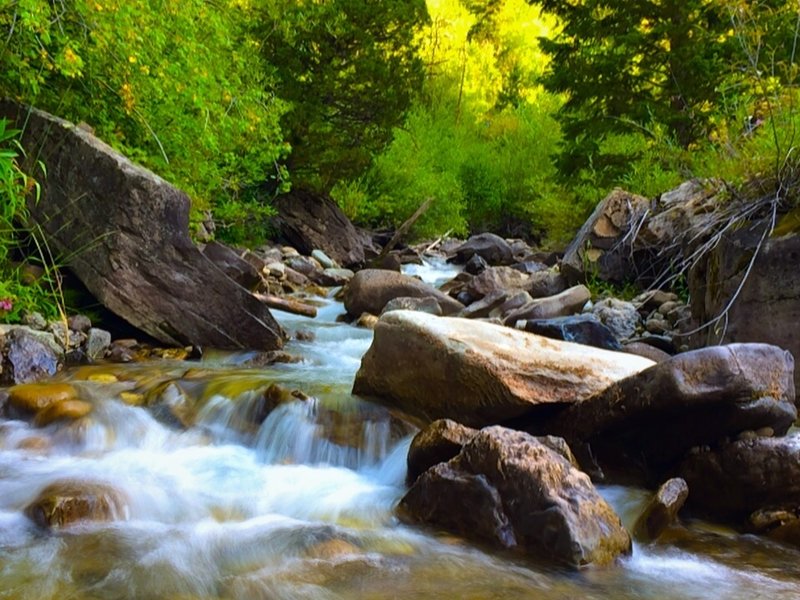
column 69, row 502
column 662, row 510
column 371, row 289
column 694, row 398
column 508, row 489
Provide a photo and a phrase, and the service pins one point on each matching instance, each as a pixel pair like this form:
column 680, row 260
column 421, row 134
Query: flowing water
column 222, row 504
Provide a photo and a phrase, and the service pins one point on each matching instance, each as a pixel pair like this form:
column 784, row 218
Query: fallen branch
column 285, row 304
column 403, row 229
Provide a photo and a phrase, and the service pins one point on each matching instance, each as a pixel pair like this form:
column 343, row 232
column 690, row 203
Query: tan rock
column 69, row 410
column 662, row 510
column 34, row 397
column 479, row 373
column 68, row 501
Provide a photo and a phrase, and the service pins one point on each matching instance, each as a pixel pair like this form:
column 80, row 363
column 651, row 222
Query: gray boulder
column 371, row 289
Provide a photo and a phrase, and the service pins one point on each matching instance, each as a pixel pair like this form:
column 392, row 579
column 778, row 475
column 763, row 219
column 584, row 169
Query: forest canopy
column 514, row 116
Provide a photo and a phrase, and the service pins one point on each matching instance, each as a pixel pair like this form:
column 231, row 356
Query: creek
column 220, row 505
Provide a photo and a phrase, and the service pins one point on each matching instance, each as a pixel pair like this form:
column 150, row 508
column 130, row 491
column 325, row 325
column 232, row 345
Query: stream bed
column 220, row 505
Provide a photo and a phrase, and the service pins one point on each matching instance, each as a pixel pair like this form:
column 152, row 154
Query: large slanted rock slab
column 739, row 478
column 694, row 398
column 372, row 289
column 490, row 247
column 124, row 232
column 479, row 373
column 510, row 490
column 309, row 221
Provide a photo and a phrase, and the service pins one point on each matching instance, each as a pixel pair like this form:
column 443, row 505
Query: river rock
column 508, row 489
column 479, row 373
column 34, row 397
column 741, row 477
column 98, row 342
column 692, row 399
column 67, row 502
column 646, row 350
column 497, row 279
column 580, row 329
column 27, row 357
column 546, row 283
column 438, row 442
column 621, row 317
column 482, row 308
column 124, row 232
column 310, row 221
column 80, row 323
column 475, row 265
column 371, row 289
column 662, row 510
column 427, row 305
column 332, row 277
column 69, row 410
column 530, row 266
column 566, row 303
column 490, row 247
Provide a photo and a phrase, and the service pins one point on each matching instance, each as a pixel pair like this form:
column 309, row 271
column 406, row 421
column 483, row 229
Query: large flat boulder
column 693, row 399
column 124, row 232
column 478, row 373
column 372, row 289
column 310, row 221
column 508, row 489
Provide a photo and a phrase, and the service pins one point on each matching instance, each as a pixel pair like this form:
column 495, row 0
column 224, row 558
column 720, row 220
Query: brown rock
column 662, row 510
column 34, row 397
column 371, row 289
column 438, row 442
column 741, row 477
column 70, row 410
column 692, row 399
column 479, row 373
column 490, row 247
column 510, row 490
column 67, row 502
column 125, row 233
column 497, row 279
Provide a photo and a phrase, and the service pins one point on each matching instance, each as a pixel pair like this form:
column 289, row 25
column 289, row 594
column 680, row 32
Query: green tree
column 349, row 70
column 628, row 65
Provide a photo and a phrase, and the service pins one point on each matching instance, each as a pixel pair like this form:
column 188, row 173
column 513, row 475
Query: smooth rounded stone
column 482, row 308
column 275, row 269
column 739, row 478
column 367, row 321
column 287, row 251
column 438, row 442
column 510, row 490
column 371, row 289
column 693, row 399
column 28, row 358
column 68, row 410
column 497, row 279
column 80, row 323
column 389, row 262
column 427, row 305
column 546, row 283
column 657, row 325
column 479, row 373
column 323, row 259
column 295, row 277
column 475, row 265
column 662, row 510
column 619, row 316
column 66, row 502
column 566, row 303
column 680, row 317
column 646, row 350
column 529, row 267
column 333, row 549
column 665, row 308
column 490, row 247
column 34, row 397
column 580, row 329
column 97, row 344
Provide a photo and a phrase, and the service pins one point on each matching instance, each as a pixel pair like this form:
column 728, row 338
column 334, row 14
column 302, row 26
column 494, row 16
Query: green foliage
column 18, row 292
column 349, row 70
column 178, row 86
